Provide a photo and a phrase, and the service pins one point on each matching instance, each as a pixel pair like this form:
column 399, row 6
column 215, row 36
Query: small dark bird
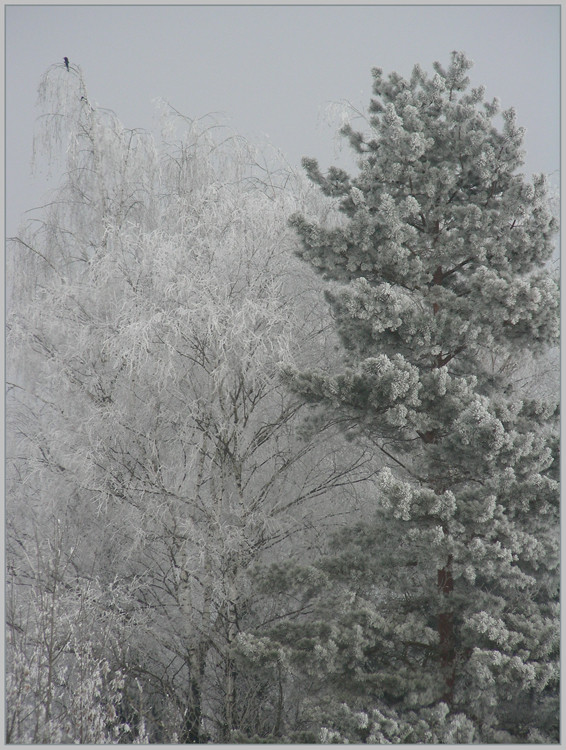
column 66, row 61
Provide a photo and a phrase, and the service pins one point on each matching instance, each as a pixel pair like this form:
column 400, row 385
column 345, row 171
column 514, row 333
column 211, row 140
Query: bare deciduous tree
column 154, row 299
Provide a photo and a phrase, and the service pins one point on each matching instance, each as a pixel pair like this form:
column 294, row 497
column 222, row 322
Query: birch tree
column 154, row 299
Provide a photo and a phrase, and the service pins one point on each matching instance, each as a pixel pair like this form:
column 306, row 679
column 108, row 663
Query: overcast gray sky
column 273, row 69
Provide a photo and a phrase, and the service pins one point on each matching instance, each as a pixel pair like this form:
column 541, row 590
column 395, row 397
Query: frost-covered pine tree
column 436, row 278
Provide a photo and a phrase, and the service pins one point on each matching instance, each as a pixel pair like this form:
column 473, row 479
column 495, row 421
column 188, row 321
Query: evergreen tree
column 445, row 616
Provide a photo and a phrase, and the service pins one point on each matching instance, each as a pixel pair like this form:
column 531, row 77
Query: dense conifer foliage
column 444, row 622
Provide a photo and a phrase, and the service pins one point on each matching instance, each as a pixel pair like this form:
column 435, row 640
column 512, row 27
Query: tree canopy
column 277, row 471
column 436, row 278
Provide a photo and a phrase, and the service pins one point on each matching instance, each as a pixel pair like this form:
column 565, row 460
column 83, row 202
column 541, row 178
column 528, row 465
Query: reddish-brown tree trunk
column 437, row 279
column 445, row 580
column 446, row 633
